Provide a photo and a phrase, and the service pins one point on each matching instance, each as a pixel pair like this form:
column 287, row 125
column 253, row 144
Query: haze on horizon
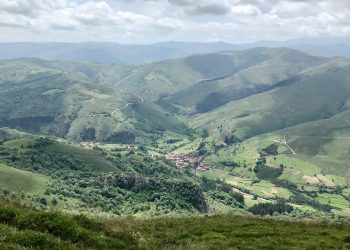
column 149, row 21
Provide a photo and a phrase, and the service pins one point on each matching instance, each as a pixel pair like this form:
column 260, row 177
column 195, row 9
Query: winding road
column 128, row 104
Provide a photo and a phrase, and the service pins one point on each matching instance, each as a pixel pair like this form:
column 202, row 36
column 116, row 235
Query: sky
column 149, row 21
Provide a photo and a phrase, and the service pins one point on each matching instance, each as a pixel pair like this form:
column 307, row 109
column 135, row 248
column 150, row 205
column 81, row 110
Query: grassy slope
column 157, row 79
column 65, row 98
column 324, row 143
column 22, row 181
column 311, row 114
column 321, row 146
column 229, row 231
column 316, row 97
column 266, row 68
column 23, row 228
column 92, row 157
column 69, row 165
column 322, row 93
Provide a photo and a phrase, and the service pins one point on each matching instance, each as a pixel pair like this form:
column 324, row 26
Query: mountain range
column 208, row 132
column 138, row 54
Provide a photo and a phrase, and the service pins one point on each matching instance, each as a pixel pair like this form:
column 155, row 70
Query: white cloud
column 156, row 20
column 31, row 7
column 285, row 7
column 246, row 10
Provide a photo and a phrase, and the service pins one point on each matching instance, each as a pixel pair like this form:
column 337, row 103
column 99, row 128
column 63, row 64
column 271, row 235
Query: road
column 128, row 104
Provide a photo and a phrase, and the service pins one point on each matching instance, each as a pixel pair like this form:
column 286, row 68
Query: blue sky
column 147, row 21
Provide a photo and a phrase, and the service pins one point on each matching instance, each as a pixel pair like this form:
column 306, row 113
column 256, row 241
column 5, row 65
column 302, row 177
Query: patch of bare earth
column 291, row 171
column 311, row 180
column 326, row 180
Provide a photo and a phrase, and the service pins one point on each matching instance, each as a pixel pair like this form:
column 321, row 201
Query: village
column 187, row 160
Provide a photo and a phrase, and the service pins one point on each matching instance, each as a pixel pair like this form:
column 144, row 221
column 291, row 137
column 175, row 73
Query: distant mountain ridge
column 131, row 54
column 138, row 54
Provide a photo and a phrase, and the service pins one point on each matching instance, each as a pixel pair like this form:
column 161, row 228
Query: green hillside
column 132, row 141
column 68, row 99
column 22, row 181
column 252, row 72
column 64, row 99
column 23, row 228
column 107, row 178
column 319, row 95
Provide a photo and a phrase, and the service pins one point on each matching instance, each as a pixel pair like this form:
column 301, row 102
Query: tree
column 271, row 208
column 124, row 137
column 205, row 133
column 89, row 134
column 271, row 150
column 230, row 139
column 43, row 201
column 54, row 201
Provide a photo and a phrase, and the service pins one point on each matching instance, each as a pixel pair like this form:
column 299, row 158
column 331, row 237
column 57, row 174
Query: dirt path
column 228, row 130
column 128, row 104
column 283, row 141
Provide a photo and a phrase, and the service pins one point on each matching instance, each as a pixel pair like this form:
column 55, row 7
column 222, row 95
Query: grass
column 235, row 232
column 22, row 181
column 308, row 113
column 18, row 144
column 335, row 200
column 265, row 189
column 92, row 157
column 262, row 189
column 23, row 228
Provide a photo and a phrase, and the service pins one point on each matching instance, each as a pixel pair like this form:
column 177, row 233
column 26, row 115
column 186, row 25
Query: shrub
column 7, row 215
column 271, row 208
column 271, row 150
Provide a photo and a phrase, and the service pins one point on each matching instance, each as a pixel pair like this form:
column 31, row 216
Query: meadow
column 24, row 228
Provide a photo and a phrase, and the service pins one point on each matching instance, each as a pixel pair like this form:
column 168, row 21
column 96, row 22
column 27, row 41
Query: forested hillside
column 263, row 131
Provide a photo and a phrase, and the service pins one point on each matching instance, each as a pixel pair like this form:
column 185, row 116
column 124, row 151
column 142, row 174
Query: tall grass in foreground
column 22, row 228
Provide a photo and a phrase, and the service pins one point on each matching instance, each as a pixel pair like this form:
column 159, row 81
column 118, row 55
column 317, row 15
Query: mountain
column 70, row 99
column 64, row 99
column 218, row 132
column 319, row 46
column 312, row 112
column 252, row 71
column 138, row 54
column 132, row 54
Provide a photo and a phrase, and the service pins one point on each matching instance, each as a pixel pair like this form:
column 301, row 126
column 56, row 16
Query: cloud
column 156, row 20
column 8, row 20
column 246, row 10
column 16, row 7
column 293, row 8
column 93, row 13
column 30, row 8
column 210, row 8
column 181, row 2
column 200, row 7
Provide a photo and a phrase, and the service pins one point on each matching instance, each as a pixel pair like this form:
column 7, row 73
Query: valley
column 260, row 131
column 174, row 124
